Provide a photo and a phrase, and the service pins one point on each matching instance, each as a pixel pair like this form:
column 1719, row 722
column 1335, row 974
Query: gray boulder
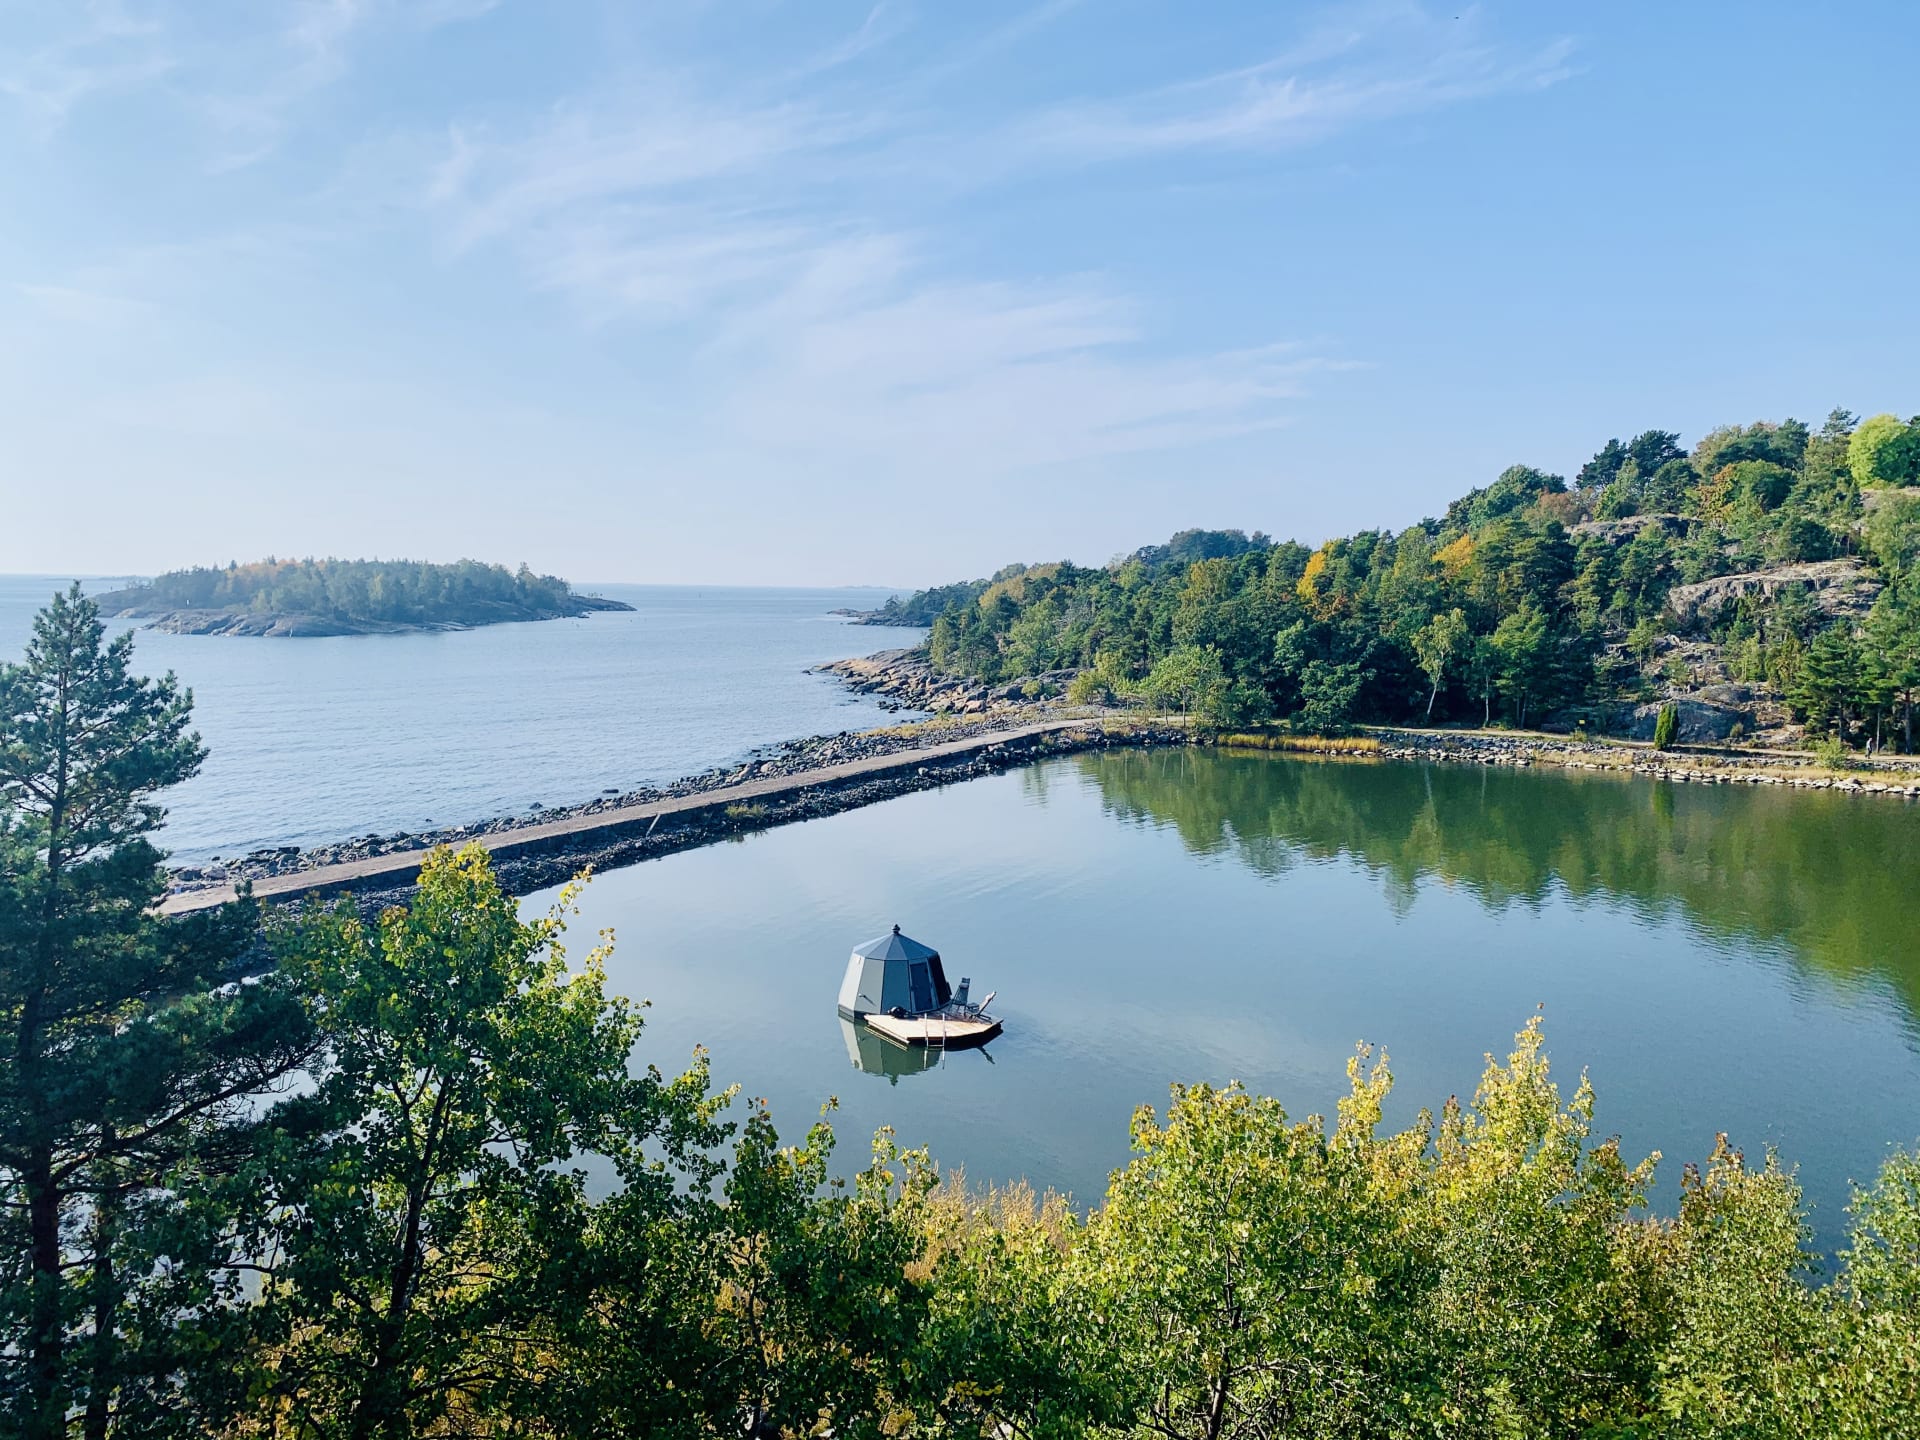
column 1700, row 722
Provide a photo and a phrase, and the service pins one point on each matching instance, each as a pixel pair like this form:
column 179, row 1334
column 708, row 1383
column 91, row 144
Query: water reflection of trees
column 1833, row 879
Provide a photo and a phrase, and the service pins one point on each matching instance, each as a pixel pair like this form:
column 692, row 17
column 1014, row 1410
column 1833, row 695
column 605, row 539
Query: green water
column 1717, row 958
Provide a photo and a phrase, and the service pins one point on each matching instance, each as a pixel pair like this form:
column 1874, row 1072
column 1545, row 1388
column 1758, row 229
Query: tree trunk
column 1433, row 695
column 106, row 1301
column 45, row 1340
column 377, row 1411
column 46, row 1326
column 1486, row 720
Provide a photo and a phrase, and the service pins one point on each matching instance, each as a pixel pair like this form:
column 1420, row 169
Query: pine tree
column 1827, row 691
column 116, row 1063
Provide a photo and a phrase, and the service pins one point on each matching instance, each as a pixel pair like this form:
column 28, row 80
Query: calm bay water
column 1716, row 958
column 316, row 740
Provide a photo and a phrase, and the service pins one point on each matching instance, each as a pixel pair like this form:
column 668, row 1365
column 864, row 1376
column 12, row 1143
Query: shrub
column 1830, row 754
column 1089, row 688
column 1666, row 727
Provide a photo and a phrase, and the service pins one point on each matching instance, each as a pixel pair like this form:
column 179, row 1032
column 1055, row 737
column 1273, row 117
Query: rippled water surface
column 1717, row 958
column 316, row 740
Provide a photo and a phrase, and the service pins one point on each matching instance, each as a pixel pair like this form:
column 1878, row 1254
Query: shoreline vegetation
column 312, row 598
column 412, row 1181
column 1764, row 584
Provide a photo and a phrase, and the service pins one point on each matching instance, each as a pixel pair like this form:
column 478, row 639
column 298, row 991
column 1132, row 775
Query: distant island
column 346, row 597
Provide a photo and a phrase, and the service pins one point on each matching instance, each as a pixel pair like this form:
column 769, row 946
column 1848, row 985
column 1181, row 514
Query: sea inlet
column 1715, row 958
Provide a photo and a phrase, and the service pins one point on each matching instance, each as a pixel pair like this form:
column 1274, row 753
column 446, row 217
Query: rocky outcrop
column 1620, row 532
column 1837, row 587
column 1701, row 722
column 908, row 680
column 1876, row 497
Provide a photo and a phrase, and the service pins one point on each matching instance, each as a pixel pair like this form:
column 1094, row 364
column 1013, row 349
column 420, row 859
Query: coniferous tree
column 116, row 1065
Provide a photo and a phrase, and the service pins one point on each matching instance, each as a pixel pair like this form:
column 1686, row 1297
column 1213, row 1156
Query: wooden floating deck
column 934, row 1031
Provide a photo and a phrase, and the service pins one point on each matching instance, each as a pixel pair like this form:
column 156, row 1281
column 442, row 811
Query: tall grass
column 1317, row 744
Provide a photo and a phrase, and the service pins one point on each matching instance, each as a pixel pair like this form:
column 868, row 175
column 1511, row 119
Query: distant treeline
column 411, row 1184
column 1527, row 596
column 924, row 607
column 381, row 591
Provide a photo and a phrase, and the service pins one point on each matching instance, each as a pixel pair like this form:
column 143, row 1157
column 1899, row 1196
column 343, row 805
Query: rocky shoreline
column 966, row 711
column 906, row 680
column 1721, row 767
column 906, row 677
column 276, row 624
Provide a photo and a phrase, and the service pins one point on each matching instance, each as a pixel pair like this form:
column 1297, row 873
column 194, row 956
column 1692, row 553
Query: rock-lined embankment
column 1720, row 767
column 803, row 780
column 789, row 759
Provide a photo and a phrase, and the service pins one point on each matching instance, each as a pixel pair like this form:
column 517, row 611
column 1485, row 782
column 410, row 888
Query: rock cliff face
column 1878, row 497
column 1619, row 532
column 1837, row 587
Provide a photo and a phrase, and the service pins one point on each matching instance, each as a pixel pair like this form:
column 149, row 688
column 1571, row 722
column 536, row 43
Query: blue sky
column 823, row 293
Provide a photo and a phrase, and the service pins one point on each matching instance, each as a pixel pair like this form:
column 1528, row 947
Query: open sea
column 321, row 739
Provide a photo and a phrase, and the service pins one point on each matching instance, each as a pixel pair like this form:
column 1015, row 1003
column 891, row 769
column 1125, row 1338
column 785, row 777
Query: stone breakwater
column 790, row 758
column 1717, row 768
column 529, row 855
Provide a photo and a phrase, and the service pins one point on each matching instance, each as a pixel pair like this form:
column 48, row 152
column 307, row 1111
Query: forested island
column 1763, row 581
column 410, row 1181
column 346, row 597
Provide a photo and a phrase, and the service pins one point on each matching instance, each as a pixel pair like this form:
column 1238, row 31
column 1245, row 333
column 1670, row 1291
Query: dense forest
column 1767, row 574
column 350, row 1197
column 361, row 592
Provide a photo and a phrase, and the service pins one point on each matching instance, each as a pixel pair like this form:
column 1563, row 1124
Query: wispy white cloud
column 1403, row 62
column 71, row 56
column 884, row 22
column 985, row 379
column 831, row 322
column 243, row 80
column 788, row 249
column 659, row 144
